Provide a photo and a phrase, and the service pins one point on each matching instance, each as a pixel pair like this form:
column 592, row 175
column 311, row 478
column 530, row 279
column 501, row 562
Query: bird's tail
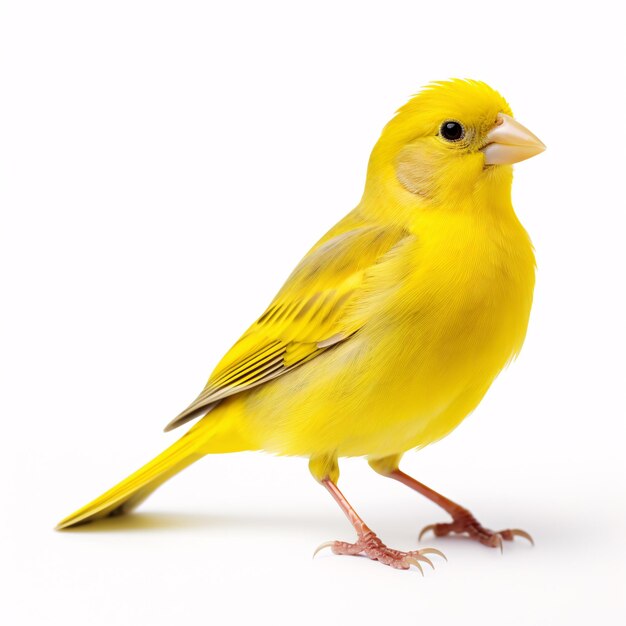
column 127, row 494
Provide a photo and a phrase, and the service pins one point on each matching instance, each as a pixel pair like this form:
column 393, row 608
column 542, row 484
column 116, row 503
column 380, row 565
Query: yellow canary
column 391, row 328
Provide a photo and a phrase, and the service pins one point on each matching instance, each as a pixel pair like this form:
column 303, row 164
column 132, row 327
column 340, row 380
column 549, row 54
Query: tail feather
column 127, row 494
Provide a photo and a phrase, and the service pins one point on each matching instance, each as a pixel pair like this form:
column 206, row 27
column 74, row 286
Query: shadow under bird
column 393, row 326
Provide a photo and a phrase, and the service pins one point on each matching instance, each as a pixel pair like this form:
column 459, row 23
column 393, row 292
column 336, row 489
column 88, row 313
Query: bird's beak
column 510, row 142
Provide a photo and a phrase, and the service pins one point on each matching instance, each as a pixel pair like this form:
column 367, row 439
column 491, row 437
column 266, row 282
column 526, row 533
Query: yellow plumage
column 393, row 326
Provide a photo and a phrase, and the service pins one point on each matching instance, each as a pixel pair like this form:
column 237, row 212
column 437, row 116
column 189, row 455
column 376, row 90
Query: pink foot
column 465, row 523
column 369, row 545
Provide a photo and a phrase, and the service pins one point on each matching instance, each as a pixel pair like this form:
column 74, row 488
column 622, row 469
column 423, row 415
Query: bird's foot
column 369, row 545
column 465, row 523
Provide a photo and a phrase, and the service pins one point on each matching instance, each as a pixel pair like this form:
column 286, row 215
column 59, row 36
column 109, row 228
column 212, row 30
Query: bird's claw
column 413, row 561
column 433, row 551
column 425, row 530
column 371, row 546
column 465, row 523
column 497, row 542
column 326, row 544
column 509, row 535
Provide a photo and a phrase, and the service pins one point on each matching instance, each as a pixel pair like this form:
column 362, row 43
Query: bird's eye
column 452, row 131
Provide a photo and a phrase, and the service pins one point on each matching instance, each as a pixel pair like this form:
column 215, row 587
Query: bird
column 392, row 327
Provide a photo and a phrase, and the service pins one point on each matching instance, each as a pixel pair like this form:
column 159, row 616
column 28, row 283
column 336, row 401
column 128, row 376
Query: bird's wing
column 315, row 310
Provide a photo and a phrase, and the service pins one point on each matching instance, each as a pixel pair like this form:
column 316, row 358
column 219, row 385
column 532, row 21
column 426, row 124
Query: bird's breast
column 457, row 317
column 473, row 289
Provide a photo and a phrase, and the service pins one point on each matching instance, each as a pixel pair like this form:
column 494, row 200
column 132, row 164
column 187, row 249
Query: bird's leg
column 463, row 522
column 367, row 543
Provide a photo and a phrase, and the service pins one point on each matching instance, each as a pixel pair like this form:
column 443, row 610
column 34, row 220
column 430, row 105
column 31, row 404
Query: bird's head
column 447, row 143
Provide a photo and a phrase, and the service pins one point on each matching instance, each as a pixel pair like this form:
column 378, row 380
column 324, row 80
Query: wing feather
column 316, row 309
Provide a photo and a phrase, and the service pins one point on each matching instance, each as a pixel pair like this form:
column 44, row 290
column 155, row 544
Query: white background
column 163, row 167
